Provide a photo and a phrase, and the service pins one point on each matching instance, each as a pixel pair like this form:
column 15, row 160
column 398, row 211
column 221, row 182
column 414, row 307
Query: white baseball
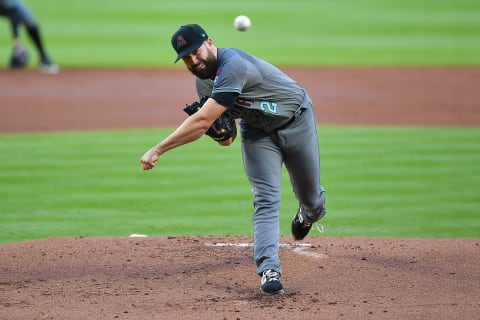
column 242, row 23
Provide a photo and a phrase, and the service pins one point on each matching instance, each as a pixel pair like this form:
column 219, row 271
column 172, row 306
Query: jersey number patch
column 268, row 106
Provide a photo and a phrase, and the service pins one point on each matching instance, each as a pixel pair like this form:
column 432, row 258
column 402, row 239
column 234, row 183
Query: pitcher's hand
column 150, row 159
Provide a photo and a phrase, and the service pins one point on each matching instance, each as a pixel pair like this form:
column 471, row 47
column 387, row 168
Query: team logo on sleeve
column 217, row 75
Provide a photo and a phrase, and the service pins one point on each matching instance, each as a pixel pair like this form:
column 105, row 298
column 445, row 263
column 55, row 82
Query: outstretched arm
column 190, row 130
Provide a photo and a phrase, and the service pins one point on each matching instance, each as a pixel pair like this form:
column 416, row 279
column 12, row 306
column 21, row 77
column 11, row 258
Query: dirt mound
column 214, row 278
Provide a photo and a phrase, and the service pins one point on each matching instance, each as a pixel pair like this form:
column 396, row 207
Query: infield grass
column 123, row 33
column 394, row 182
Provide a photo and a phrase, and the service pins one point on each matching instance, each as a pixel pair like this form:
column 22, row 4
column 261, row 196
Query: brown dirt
column 187, row 277
column 100, row 99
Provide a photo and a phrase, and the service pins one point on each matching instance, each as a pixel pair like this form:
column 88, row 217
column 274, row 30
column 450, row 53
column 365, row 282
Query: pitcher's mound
column 214, row 278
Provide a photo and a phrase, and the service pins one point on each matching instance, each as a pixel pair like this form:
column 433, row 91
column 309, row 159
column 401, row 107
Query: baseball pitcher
column 277, row 126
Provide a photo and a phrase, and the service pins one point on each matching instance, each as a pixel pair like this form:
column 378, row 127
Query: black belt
column 295, row 116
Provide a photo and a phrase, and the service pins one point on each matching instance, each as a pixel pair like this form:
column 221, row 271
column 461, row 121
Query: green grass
column 395, row 182
column 116, row 33
column 398, row 182
column 403, row 182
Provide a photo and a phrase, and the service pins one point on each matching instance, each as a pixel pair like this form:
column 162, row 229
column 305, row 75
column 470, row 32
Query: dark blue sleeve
column 226, row 99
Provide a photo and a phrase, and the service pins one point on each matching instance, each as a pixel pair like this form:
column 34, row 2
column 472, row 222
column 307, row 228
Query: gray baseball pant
column 296, row 146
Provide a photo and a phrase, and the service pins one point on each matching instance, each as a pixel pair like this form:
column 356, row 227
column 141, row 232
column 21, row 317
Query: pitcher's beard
column 210, row 67
column 207, row 73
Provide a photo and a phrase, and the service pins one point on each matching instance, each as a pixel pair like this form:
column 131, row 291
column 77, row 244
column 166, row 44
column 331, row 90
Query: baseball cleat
column 301, row 225
column 49, row 68
column 270, row 283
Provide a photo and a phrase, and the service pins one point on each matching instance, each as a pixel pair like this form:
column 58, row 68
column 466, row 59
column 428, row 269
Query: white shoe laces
column 270, row 275
column 306, row 224
column 319, row 227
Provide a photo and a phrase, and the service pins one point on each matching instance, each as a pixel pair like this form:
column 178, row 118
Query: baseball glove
column 222, row 129
column 18, row 58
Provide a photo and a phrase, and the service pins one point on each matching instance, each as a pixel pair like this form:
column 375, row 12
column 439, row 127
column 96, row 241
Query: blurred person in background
column 18, row 13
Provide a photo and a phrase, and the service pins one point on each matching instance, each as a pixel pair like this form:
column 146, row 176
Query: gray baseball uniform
column 277, row 127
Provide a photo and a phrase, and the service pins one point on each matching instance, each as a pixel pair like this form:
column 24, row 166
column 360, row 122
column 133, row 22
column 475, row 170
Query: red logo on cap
column 181, row 41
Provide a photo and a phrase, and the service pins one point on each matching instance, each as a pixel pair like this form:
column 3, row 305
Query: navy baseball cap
column 187, row 39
